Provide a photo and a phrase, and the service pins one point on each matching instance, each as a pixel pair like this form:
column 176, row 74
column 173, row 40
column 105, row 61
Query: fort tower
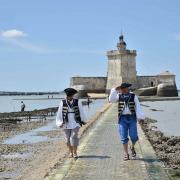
column 121, row 66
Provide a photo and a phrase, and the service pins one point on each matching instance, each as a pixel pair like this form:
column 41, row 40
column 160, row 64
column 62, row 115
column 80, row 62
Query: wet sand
column 20, row 128
column 16, row 156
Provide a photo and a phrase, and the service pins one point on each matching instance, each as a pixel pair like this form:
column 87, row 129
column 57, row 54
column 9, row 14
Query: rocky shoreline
column 167, row 148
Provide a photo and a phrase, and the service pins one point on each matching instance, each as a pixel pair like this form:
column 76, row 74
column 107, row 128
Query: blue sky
column 43, row 43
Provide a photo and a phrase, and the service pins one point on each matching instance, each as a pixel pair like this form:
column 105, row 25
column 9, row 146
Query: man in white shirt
column 129, row 111
column 71, row 117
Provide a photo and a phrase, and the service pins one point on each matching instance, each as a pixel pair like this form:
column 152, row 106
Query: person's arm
column 139, row 113
column 82, row 113
column 59, row 118
column 114, row 95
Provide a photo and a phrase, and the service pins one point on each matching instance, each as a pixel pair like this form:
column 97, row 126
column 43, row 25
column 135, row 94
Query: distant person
column 48, row 97
column 129, row 111
column 23, row 106
column 88, row 101
column 71, row 117
column 52, row 97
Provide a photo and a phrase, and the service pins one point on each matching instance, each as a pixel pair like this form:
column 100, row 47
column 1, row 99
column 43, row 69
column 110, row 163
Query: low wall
column 147, row 81
column 91, row 84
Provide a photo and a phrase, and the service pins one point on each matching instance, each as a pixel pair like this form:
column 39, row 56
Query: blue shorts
column 128, row 127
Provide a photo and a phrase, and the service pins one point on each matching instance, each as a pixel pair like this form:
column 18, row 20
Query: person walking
column 23, row 106
column 129, row 112
column 88, row 101
column 71, row 117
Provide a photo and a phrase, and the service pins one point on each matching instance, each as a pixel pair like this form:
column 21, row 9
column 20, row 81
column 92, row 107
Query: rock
column 167, row 90
column 159, row 147
column 165, row 138
column 151, row 120
column 149, row 91
column 162, row 156
column 174, row 158
column 155, row 140
column 158, row 134
column 169, row 150
column 173, row 141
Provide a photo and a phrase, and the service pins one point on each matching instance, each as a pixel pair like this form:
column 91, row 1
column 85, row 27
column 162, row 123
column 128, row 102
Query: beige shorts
column 72, row 136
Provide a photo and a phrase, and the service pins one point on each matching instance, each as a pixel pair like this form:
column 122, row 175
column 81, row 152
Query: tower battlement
column 116, row 52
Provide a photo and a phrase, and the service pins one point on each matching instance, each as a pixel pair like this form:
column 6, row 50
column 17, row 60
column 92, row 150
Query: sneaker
column 133, row 152
column 70, row 155
column 126, row 157
column 75, row 156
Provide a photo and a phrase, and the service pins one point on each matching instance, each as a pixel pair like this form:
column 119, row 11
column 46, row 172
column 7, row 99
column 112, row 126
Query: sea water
column 167, row 114
column 13, row 103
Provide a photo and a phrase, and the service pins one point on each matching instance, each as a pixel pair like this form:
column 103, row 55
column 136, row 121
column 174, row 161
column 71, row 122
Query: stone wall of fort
column 91, row 84
column 147, row 81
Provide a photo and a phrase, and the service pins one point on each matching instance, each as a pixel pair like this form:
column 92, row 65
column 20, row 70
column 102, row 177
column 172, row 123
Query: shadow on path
column 94, row 156
column 148, row 160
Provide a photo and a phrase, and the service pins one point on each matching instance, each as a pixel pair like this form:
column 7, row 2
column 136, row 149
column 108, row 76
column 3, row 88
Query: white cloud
column 16, row 37
column 12, row 34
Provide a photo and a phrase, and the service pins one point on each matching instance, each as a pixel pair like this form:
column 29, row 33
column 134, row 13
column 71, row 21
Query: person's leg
column 125, row 146
column 68, row 135
column 133, row 134
column 123, row 131
column 74, row 140
column 70, row 150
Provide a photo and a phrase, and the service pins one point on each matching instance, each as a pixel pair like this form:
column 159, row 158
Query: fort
column 122, row 68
